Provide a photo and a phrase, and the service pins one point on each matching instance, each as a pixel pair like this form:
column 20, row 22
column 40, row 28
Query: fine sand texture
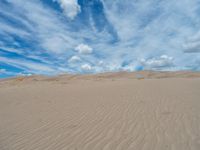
column 110, row 111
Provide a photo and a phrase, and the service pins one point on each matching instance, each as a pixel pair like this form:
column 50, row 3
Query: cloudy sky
column 91, row 36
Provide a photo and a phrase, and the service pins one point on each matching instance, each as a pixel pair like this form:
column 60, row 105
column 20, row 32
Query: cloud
column 86, row 67
column 6, row 28
column 29, row 66
column 24, row 74
column 2, row 71
column 84, row 49
column 163, row 62
column 192, row 45
column 74, row 59
column 37, row 37
column 150, row 28
column 55, row 44
column 100, row 63
column 70, row 7
column 6, row 72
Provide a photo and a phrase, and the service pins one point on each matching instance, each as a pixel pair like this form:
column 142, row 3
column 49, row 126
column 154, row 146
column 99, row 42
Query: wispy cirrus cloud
column 33, row 67
column 58, row 36
column 192, row 44
column 154, row 28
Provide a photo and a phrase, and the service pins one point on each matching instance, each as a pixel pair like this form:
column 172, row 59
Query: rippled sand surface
column 112, row 111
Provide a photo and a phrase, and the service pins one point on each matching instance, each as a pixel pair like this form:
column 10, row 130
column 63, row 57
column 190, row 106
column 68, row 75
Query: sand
column 111, row 111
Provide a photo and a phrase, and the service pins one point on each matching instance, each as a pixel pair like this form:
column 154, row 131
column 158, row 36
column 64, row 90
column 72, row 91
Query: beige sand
column 111, row 111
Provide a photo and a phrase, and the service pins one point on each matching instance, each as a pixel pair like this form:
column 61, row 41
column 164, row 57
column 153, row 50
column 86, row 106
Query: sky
column 51, row 37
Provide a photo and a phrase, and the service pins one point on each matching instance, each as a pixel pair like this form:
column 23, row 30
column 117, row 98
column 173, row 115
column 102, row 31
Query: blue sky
column 90, row 36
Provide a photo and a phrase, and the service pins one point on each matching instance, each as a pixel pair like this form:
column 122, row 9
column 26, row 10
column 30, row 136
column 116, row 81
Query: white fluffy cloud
column 74, row 59
column 160, row 63
column 70, row 7
column 86, row 67
column 84, row 49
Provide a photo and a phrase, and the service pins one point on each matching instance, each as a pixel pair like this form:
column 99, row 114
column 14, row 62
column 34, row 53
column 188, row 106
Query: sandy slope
column 113, row 111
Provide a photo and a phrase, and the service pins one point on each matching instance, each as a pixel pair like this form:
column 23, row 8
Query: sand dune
column 111, row 111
